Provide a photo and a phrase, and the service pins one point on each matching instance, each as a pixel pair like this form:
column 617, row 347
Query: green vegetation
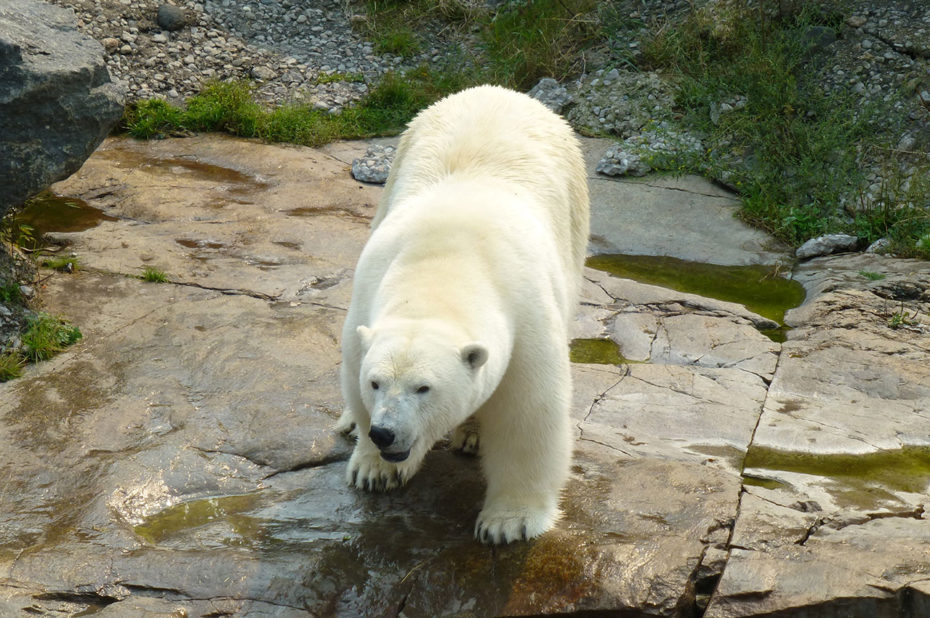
column 329, row 78
column 526, row 41
column 230, row 107
column 902, row 317
column 872, row 276
column 41, row 335
column 45, row 336
column 153, row 275
column 61, row 263
column 10, row 293
column 795, row 139
column 11, row 366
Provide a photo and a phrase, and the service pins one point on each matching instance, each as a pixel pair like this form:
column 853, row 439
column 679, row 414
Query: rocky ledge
column 180, row 459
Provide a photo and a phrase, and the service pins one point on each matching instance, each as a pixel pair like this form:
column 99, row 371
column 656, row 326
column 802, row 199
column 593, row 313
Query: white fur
column 466, row 286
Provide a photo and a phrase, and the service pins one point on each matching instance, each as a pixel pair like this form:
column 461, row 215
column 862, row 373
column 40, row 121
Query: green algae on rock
column 595, row 351
column 759, row 288
column 865, row 480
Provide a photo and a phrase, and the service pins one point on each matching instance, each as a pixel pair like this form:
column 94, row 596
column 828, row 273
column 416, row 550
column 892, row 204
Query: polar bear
column 461, row 303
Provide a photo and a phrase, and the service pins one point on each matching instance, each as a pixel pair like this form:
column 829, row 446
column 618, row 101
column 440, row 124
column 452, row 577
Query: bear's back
column 492, row 132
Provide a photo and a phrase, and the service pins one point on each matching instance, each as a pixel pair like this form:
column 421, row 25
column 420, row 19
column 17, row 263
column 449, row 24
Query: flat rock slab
column 180, row 458
column 833, row 515
column 685, row 217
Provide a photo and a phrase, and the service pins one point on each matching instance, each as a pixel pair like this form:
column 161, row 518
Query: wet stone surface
column 180, row 460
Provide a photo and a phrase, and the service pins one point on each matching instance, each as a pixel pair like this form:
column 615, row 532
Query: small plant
column 16, row 234
column 153, row 275
column 872, row 276
column 61, row 263
column 10, row 293
column 400, row 42
column 45, row 336
column 11, row 366
column 329, row 78
column 902, row 317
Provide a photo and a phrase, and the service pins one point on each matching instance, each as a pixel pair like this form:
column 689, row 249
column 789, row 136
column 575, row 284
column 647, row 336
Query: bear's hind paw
column 346, row 426
column 465, row 437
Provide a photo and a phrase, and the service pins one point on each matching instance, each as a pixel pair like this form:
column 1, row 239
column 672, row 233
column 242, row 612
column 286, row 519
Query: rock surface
column 56, row 99
column 180, row 459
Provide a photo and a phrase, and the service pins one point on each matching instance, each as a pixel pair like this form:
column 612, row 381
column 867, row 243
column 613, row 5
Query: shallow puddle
column 186, row 516
column 758, row 288
column 322, row 211
column 860, row 480
column 232, row 180
column 48, row 212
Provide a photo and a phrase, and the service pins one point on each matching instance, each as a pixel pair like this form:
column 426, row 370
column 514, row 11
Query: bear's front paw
column 498, row 525
column 368, row 471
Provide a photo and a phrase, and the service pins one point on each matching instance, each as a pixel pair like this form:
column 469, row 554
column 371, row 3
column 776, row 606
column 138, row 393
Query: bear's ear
column 474, row 355
column 365, row 335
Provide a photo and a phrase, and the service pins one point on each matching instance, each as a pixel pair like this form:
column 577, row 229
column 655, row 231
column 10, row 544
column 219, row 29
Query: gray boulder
column 56, row 99
column 171, row 18
column 825, row 245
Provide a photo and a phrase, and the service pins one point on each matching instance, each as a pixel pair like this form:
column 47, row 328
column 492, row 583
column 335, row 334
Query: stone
column 551, row 94
column 263, row 73
column 825, row 245
column 881, row 246
column 171, row 18
column 375, row 166
column 57, row 102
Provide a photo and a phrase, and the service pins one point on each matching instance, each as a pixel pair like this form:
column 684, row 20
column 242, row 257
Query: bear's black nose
column 382, row 437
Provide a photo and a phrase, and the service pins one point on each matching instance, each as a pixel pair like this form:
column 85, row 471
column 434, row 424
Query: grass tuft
column 61, row 263
column 45, row 336
column 153, row 275
column 11, row 366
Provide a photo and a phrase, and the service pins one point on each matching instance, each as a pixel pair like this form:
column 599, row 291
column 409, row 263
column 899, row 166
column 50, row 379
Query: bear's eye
column 423, row 389
column 375, row 385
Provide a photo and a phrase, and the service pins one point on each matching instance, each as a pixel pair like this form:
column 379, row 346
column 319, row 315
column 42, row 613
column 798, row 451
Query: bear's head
column 416, row 384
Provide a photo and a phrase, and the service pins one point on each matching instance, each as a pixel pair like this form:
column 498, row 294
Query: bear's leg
column 526, row 444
